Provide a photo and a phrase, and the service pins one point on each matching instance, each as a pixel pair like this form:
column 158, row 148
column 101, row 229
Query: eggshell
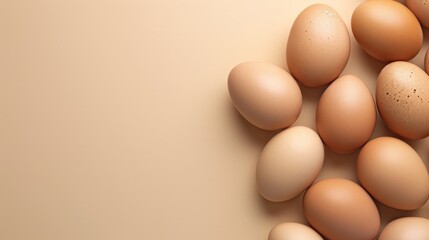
column 387, row 30
column 318, row 47
column 340, row 209
column 293, row 231
column 346, row 115
column 289, row 163
column 265, row 95
column 420, row 8
column 393, row 173
column 407, row 228
column 402, row 95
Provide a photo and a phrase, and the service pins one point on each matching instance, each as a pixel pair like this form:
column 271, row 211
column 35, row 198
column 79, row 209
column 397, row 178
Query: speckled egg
column 318, row 47
column 402, row 96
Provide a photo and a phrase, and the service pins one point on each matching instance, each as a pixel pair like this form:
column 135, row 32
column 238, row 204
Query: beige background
column 115, row 121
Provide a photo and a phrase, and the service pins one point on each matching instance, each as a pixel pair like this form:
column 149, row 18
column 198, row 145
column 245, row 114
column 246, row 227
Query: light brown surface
column 116, row 121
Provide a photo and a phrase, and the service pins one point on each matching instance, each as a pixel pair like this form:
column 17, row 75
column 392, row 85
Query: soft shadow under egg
column 256, row 136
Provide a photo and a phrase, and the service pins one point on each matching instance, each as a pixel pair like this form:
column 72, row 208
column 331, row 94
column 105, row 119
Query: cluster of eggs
column 388, row 169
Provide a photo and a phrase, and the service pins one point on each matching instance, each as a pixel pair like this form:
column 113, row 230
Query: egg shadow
column 310, row 97
column 312, row 94
column 371, row 64
column 389, row 214
column 381, row 129
column 257, row 136
column 339, row 165
column 425, row 36
column 290, row 210
column 421, row 146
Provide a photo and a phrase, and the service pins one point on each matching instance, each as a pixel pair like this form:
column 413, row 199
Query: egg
column 406, row 228
column 420, row 8
column 393, row 173
column 402, row 96
column 387, row 30
column 293, row 231
column 346, row 115
column 318, row 47
column 265, row 95
column 341, row 209
column 289, row 163
column 427, row 61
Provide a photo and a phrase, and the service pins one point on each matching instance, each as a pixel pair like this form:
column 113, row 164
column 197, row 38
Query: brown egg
column 407, row 228
column 340, row 209
column 318, row 47
column 289, row 163
column 346, row 115
column 402, row 96
column 293, row 231
column 387, row 30
column 420, row 8
column 393, row 173
column 265, row 95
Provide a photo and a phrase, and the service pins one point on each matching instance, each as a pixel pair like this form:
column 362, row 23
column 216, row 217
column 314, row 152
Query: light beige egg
column 265, row 95
column 318, row 47
column 393, row 173
column 402, row 96
column 289, row 163
column 293, row 231
column 340, row 209
column 346, row 115
column 406, row 228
